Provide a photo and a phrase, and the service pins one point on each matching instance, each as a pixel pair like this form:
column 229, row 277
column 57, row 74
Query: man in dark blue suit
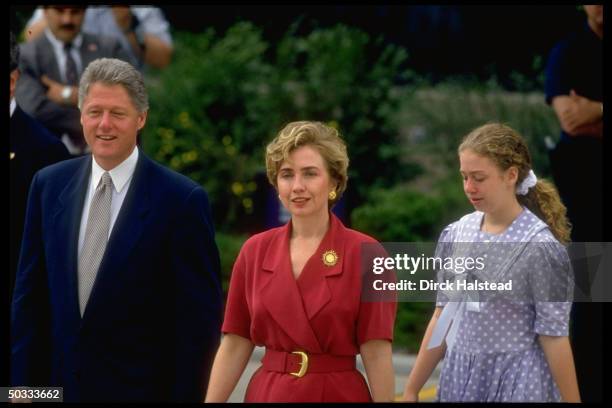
column 32, row 148
column 118, row 287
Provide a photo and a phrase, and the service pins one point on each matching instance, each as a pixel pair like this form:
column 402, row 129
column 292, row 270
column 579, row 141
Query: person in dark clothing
column 574, row 88
column 32, row 148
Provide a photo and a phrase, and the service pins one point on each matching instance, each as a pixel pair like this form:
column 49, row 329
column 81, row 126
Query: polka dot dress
column 496, row 355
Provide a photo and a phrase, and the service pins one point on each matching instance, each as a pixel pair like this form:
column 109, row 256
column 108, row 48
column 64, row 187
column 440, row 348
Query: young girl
column 503, row 350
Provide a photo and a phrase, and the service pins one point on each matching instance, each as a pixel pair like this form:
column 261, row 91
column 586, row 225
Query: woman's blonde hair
column 324, row 138
column 507, row 148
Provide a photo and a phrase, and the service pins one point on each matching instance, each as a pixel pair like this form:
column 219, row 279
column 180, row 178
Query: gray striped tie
column 96, row 237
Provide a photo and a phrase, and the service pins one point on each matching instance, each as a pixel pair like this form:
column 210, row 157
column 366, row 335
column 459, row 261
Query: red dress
column 320, row 312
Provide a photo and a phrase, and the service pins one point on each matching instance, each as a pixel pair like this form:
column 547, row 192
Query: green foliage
column 453, row 201
column 229, row 247
column 398, row 215
column 410, row 324
column 341, row 75
column 532, row 80
column 225, row 97
column 444, row 113
column 210, row 113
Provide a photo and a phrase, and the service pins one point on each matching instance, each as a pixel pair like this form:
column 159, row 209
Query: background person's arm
column 157, row 53
column 31, row 95
column 578, row 115
column 154, row 51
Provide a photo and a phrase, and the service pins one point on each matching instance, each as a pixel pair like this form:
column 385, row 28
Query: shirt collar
column 120, row 174
column 76, row 42
column 13, row 106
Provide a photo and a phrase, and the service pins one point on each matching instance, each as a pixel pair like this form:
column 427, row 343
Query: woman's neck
column 498, row 221
column 311, row 227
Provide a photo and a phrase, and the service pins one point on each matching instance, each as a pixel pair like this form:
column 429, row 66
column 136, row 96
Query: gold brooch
column 12, row 155
column 330, row 258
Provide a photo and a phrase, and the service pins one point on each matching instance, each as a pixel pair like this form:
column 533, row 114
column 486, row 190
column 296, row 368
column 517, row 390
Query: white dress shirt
column 60, row 55
column 122, row 177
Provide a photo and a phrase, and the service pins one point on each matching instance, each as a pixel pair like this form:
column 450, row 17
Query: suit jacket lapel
column 281, row 296
column 313, row 283
column 90, row 50
column 125, row 234
column 67, row 222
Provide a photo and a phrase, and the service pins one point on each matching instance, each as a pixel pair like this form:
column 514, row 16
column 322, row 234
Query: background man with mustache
column 143, row 31
column 51, row 66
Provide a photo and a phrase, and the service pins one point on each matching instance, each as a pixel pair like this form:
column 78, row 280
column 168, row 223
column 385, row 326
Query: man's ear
column 142, row 119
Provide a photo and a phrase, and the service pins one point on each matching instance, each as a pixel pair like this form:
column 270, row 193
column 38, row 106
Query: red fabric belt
column 287, row 362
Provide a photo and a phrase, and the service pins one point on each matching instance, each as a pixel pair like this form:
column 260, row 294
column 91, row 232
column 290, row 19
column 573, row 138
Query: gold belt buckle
column 303, row 364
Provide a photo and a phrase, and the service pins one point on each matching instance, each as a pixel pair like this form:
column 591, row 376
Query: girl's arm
column 425, row 362
column 560, row 359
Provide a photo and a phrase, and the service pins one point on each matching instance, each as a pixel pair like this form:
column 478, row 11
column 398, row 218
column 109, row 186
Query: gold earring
column 332, row 195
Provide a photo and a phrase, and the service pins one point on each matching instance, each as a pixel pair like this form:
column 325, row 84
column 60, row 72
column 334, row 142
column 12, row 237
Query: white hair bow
column 527, row 183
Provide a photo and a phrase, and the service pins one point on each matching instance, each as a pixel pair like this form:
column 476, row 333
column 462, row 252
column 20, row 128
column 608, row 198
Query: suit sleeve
column 198, row 297
column 30, row 319
column 57, row 152
column 117, row 51
column 557, row 78
column 31, row 95
column 52, row 151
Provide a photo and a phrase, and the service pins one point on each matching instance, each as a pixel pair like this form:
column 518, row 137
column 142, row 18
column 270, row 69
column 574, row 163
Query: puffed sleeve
column 551, row 283
column 443, row 250
column 237, row 318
